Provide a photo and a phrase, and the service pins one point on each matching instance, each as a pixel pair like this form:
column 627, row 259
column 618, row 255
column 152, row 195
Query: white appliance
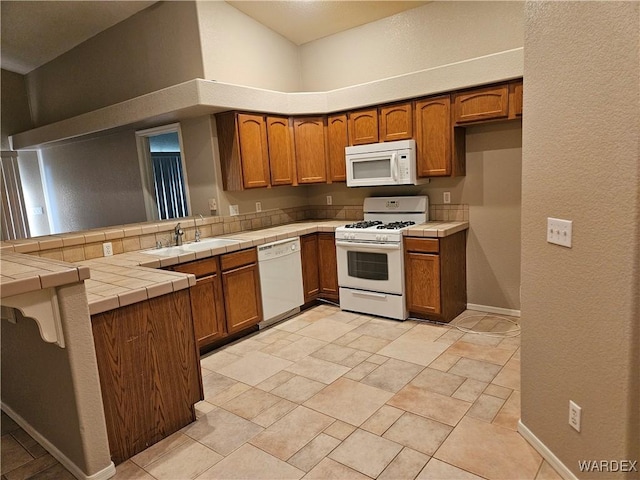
column 370, row 255
column 280, row 266
column 388, row 163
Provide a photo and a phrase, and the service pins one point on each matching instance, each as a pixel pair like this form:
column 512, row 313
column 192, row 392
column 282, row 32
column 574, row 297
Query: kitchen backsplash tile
column 78, row 246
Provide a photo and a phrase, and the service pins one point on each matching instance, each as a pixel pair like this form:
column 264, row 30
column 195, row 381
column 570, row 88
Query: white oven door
column 370, row 266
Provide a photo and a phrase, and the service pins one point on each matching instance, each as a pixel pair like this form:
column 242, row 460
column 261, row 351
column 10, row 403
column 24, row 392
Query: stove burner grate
column 396, row 225
column 364, row 224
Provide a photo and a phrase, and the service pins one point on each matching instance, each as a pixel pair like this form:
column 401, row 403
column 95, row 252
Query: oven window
column 372, row 169
column 370, row 266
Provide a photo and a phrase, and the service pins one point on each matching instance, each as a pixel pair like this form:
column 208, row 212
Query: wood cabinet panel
column 237, row 259
column 433, row 136
column 149, row 371
column 436, row 276
column 363, row 126
column 515, row 99
column 199, row 268
column 310, row 149
column 337, row 140
column 396, row 122
column 423, row 282
column 328, row 266
column 281, row 155
column 310, row 266
column 243, row 304
column 254, row 151
column 207, row 310
column 488, row 103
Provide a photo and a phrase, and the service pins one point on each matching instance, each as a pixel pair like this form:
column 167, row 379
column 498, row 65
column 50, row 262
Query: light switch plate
column 559, row 231
column 213, row 204
column 446, row 197
column 233, row 210
column 258, row 206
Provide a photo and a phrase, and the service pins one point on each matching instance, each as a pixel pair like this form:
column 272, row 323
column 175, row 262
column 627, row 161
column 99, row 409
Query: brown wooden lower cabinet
column 207, row 307
column 319, row 266
column 149, row 370
column 435, row 276
column 226, row 298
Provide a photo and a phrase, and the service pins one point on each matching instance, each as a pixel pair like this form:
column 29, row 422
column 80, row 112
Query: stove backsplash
column 437, row 212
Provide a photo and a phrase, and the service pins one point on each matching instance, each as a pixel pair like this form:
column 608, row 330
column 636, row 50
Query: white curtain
column 168, row 178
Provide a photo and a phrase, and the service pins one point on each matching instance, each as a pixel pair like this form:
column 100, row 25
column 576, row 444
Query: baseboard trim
column 496, row 310
column 107, row 472
column 547, row 454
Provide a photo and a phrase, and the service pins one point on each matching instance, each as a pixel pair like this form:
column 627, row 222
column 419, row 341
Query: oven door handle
column 375, row 246
column 368, row 294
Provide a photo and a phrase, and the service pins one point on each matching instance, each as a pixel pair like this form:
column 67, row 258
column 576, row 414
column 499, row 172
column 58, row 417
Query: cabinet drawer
column 423, row 245
column 481, row 104
column 237, row 259
column 199, row 268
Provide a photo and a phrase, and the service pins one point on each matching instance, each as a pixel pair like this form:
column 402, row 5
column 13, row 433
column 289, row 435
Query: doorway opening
column 164, row 179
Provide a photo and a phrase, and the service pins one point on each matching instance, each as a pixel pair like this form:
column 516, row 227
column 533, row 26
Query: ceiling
column 36, row 32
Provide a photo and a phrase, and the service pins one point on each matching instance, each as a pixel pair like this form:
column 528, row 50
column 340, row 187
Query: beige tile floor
column 337, row 395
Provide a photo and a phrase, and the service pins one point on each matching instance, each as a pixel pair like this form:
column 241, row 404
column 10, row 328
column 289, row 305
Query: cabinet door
column 337, row 140
column 328, row 266
column 252, row 136
column 310, row 273
column 363, row 126
column 242, row 301
column 281, row 161
column 396, row 122
column 311, row 160
column 515, row 99
column 422, row 272
column 207, row 310
column 433, row 136
column 488, row 103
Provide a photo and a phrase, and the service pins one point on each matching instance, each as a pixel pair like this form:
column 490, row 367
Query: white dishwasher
column 280, row 266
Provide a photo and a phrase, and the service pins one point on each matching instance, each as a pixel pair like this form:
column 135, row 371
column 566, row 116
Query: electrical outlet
column 446, row 197
column 329, row 200
column 213, row 204
column 559, row 231
column 258, row 206
column 575, row 412
column 107, row 249
column 233, row 210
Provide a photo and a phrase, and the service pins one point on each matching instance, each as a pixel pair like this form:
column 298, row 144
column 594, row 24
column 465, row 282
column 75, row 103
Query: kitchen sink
column 206, row 244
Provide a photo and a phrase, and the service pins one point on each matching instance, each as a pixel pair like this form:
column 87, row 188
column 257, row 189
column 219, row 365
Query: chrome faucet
column 178, row 234
column 198, row 230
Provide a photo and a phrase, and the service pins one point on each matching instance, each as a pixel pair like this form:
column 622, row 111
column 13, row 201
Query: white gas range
column 370, row 255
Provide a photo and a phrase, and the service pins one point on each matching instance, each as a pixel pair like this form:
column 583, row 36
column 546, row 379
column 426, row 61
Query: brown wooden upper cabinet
column 396, row 122
column 337, row 140
column 487, row 103
column 515, row 99
column 281, row 154
column 433, row 136
column 363, row 126
column 244, row 153
column 310, row 148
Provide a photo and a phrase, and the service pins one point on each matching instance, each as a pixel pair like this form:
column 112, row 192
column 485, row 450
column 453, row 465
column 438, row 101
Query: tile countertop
column 132, row 277
column 26, row 273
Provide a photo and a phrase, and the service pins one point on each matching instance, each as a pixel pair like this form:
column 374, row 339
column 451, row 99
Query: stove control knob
column 378, row 237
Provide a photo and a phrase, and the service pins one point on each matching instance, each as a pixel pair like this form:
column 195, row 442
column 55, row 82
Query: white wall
column 93, row 182
column 33, row 192
column 434, row 34
column 581, row 305
column 237, row 49
column 156, row 48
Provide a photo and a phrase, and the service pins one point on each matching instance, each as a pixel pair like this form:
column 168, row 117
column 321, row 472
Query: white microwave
column 388, row 163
